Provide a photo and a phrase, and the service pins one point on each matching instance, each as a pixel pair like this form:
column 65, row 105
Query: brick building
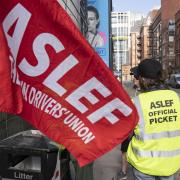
column 144, row 41
column 145, row 37
column 134, row 49
column 156, row 37
column 177, row 42
column 168, row 10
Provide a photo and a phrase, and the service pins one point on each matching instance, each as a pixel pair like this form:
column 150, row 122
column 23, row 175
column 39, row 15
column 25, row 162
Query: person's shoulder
column 99, row 40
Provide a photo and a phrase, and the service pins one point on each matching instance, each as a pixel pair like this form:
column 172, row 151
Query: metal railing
column 81, row 19
column 11, row 124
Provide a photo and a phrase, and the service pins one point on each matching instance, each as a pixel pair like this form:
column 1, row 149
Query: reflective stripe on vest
column 142, row 135
column 155, row 147
column 156, row 153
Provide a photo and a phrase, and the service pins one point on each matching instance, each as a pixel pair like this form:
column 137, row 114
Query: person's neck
column 92, row 32
column 154, row 88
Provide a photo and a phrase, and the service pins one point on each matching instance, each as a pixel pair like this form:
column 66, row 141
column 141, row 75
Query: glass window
column 171, row 51
column 114, row 31
column 171, row 38
column 114, row 20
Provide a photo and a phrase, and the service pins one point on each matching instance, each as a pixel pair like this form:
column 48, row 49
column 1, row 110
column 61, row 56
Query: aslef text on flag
column 68, row 93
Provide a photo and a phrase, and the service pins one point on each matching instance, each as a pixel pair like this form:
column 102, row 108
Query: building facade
column 77, row 11
column 135, row 52
column 122, row 22
column 134, row 49
column 145, row 39
column 177, row 42
column 120, row 31
column 161, row 39
column 144, row 42
column 168, row 10
column 156, row 37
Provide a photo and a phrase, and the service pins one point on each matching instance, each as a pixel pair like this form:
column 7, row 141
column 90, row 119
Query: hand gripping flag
column 67, row 92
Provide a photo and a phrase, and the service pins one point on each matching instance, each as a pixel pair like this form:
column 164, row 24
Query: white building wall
column 121, row 24
column 131, row 19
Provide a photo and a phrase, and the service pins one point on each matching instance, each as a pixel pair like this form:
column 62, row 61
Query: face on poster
column 98, row 27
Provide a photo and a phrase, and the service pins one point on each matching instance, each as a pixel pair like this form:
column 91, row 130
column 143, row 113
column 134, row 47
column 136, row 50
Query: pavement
column 108, row 165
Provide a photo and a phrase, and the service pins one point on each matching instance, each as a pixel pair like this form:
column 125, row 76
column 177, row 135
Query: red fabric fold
column 68, row 93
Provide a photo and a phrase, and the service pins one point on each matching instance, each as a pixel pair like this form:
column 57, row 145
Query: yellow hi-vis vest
column 155, row 147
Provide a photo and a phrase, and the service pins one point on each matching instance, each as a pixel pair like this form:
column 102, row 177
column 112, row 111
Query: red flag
column 10, row 95
column 68, row 92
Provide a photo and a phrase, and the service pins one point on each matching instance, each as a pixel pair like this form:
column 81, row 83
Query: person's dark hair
column 150, row 84
column 93, row 9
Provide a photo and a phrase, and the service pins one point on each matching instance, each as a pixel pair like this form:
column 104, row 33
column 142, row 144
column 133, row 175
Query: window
column 171, row 38
column 114, row 20
column 114, row 31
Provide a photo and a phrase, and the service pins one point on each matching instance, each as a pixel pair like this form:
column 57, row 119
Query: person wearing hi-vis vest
column 154, row 150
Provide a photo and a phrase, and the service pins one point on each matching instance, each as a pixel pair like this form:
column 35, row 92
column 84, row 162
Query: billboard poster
column 98, row 18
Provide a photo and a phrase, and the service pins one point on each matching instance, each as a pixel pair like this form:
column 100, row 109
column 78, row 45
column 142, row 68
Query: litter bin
column 27, row 156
